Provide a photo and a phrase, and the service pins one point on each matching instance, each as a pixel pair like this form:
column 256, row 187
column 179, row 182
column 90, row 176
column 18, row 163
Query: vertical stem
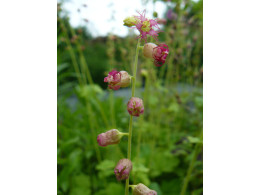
column 131, row 117
column 83, row 63
column 72, row 54
column 193, row 160
column 112, row 108
column 91, row 123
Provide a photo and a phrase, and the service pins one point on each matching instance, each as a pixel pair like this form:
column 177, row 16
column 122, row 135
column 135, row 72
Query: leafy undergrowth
column 164, row 140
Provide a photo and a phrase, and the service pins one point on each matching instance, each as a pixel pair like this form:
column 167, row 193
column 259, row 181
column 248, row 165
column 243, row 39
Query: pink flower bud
column 148, row 50
column 109, row 138
column 117, row 79
column 159, row 54
column 141, row 189
column 135, row 106
column 123, row 168
column 125, row 79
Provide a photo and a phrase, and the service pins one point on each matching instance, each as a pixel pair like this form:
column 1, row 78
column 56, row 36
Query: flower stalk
column 135, row 106
column 131, row 117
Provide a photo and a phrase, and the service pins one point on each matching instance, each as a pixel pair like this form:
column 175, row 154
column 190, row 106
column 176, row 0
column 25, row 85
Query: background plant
column 172, row 123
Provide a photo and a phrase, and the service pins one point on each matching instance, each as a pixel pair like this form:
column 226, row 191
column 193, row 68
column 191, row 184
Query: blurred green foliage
column 167, row 139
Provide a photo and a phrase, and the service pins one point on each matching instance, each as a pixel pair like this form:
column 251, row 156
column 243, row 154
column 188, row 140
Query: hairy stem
column 131, row 117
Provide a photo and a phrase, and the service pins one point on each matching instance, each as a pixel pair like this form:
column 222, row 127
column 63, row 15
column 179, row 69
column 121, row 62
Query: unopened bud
column 158, row 53
column 155, row 14
column 125, row 79
column 144, row 72
column 135, row 106
column 130, row 21
column 148, row 50
column 117, row 79
column 110, row 137
column 141, row 189
column 123, row 168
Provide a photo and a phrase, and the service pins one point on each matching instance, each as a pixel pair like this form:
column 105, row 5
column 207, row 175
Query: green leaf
column 199, row 101
column 172, row 186
column 89, row 91
column 112, row 188
column 106, row 164
column 155, row 186
column 61, row 67
column 106, row 168
column 174, row 107
column 80, row 185
column 139, row 167
column 194, row 139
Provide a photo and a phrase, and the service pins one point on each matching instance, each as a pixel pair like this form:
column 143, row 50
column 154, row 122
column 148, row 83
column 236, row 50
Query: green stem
column 83, row 62
column 72, row 54
column 112, row 110
column 131, row 117
column 126, row 134
column 92, row 123
column 193, row 160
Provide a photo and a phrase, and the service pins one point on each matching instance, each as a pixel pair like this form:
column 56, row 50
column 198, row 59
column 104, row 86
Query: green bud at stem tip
column 141, row 47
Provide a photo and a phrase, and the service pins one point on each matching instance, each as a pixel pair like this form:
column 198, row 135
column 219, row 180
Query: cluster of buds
column 146, row 27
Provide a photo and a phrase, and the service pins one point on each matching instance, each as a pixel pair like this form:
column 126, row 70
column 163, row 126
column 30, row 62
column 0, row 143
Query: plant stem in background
column 112, row 108
column 93, row 122
column 83, row 62
column 131, row 117
column 193, row 160
column 73, row 57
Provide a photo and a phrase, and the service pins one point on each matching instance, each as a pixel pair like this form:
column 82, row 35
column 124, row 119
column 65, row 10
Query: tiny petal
column 135, row 106
column 144, row 72
column 110, row 137
column 123, row 169
column 141, row 189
